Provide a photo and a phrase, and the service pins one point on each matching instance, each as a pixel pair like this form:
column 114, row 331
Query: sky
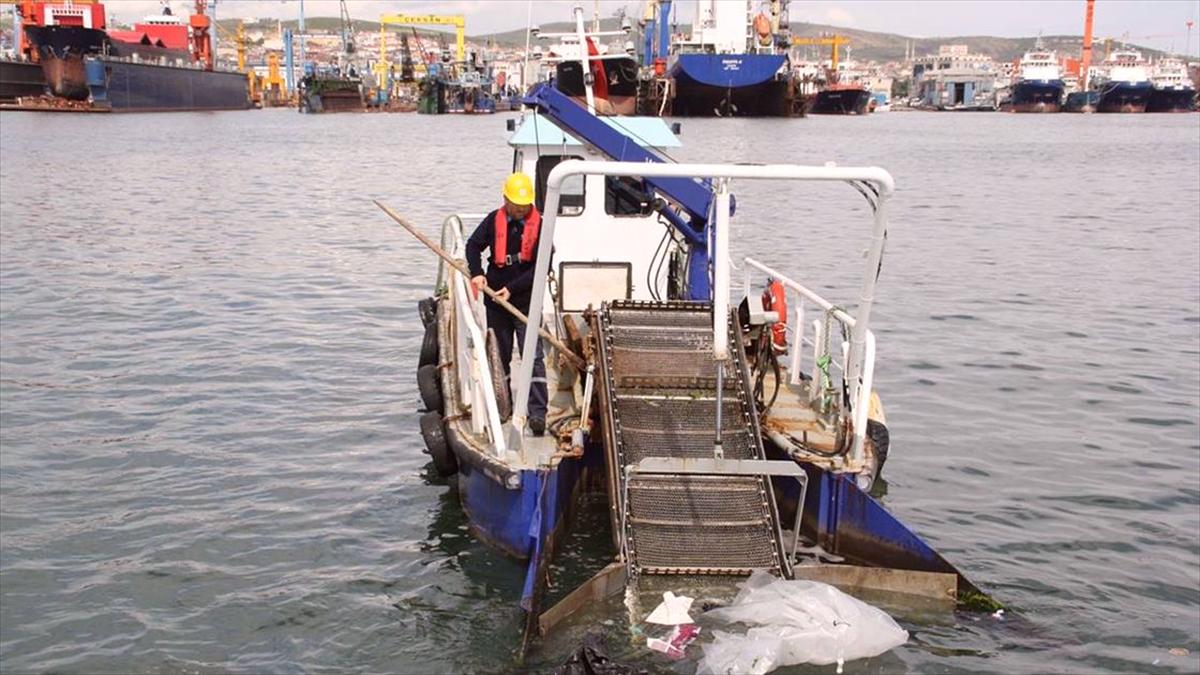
column 1156, row 23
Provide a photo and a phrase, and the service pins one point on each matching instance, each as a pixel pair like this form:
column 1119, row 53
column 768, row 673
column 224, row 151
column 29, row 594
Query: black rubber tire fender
column 433, row 431
column 878, row 433
column 499, row 384
column 427, row 308
column 429, row 383
column 429, row 346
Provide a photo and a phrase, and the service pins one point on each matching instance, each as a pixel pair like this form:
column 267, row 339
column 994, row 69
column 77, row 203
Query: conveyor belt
column 659, row 380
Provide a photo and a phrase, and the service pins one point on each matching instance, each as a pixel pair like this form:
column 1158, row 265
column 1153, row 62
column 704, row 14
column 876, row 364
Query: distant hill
column 864, row 45
column 872, row 46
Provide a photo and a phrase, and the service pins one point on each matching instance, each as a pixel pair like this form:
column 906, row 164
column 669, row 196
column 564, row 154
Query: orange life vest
column 529, row 237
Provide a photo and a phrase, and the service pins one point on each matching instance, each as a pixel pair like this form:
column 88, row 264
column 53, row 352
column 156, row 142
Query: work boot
column 538, row 426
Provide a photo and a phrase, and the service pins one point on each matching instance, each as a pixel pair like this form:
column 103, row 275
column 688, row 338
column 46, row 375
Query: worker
column 511, row 232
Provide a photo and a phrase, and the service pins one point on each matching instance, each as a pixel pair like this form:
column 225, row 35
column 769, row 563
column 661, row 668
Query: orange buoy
column 775, row 299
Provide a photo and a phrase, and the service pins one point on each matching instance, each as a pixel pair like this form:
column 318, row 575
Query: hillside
column 873, row 46
column 864, row 45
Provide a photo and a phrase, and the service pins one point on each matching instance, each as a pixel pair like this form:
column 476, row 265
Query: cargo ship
column 1125, row 87
column 1173, row 89
column 735, row 63
column 841, row 99
column 846, row 93
column 1039, row 86
column 163, row 64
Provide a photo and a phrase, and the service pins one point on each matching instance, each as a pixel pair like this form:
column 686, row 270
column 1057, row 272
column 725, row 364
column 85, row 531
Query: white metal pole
column 584, row 60
column 720, row 263
column 525, row 64
column 866, row 296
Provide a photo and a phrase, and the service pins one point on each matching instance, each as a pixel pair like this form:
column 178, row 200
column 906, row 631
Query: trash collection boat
column 729, row 437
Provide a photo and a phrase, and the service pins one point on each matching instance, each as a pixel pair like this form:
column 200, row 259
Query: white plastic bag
column 796, row 622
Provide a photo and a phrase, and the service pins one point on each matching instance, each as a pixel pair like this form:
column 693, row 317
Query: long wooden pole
column 574, row 358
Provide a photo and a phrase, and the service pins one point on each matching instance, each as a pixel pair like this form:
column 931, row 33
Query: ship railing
column 471, row 369
column 828, row 364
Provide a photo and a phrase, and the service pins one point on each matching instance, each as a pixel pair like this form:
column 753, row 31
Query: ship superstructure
column 1173, row 88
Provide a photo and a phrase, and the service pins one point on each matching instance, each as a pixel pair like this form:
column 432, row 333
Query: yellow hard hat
column 518, row 189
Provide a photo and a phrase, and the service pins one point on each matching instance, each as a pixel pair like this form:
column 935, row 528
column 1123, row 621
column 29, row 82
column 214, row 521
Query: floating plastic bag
column 672, row 611
column 676, row 643
column 796, row 622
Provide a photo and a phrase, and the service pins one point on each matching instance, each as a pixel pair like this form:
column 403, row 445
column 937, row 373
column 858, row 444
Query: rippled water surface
column 210, row 458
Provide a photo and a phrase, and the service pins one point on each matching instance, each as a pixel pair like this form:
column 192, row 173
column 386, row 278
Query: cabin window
column 571, row 196
column 626, row 196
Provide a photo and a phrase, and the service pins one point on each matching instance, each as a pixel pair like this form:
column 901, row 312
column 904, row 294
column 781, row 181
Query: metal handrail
column 882, row 185
column 468, row 314
column 860, row 391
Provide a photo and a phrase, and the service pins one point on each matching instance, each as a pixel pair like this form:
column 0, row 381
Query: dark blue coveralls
column 517, row 277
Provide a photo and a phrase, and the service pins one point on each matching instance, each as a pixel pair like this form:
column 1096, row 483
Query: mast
column 1085, row 61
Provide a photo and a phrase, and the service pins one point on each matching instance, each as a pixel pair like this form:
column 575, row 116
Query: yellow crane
column 239, row 40
column 457, row 20
column 834, row 41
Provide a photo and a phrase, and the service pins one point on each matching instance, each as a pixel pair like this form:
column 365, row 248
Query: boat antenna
column 585, row 60
column 528, row 35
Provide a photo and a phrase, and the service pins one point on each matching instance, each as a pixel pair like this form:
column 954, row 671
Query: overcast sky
column 1156, row 23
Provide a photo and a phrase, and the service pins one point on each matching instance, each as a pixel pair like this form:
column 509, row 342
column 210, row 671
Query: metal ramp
column 679, row 508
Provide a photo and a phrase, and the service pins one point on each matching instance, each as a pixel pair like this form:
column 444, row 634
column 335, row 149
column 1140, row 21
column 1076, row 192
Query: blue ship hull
column 726, row 85
column 125, row 86
column 1172, row 100
column 1037, row 96
column 1124, row 97
column 1081, row 101
column 847, row 522
column 522, row 513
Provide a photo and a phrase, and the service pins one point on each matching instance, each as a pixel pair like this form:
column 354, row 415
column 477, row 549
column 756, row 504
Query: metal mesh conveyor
column 659, row 380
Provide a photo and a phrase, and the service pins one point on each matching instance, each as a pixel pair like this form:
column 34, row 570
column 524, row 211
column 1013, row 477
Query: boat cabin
column 609, row 243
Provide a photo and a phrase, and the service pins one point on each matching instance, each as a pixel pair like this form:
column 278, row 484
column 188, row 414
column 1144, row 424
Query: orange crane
column 201, row 40
column 1085, row 60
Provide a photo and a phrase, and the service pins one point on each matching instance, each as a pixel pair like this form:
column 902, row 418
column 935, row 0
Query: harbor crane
column 457, row 20
column 834, row 41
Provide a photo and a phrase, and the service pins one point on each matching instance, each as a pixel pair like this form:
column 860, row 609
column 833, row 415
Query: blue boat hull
column 521, row 513
column 728, row 85
column 847, row 522
column 1037, row 96
column 1172, row 100
column 1082, row 101
column 1124, row 97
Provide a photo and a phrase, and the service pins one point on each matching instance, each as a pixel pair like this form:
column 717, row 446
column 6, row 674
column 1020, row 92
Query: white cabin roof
column 649, row 132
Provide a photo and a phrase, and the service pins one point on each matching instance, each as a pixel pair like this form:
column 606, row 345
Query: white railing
column 860, row 391
column 470, row 342
column 861, row 342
